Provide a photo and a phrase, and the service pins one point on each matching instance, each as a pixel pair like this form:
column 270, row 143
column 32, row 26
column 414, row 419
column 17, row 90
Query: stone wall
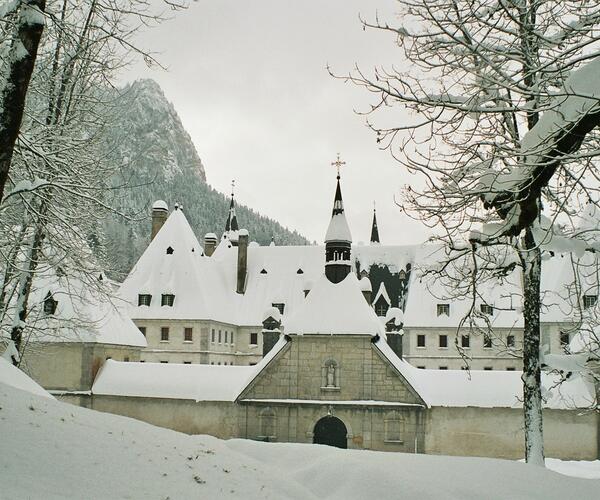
column 498, row 432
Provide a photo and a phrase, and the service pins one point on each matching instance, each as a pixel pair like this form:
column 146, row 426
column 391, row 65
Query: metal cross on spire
column 338, row 163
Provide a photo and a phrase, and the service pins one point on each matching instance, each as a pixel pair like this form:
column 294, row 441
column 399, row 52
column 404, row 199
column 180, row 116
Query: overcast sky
column 249, row 81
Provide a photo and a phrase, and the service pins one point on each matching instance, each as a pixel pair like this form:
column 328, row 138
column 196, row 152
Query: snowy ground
column 53, row 450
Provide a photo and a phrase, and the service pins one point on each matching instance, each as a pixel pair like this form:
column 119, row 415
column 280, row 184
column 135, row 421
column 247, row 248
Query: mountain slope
column 158, row 160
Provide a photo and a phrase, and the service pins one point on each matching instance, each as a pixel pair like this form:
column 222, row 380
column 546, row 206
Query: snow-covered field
column 53, row 450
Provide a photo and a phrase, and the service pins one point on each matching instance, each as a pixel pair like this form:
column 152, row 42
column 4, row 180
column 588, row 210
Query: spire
column 374, row 228
column 338, row 239
column 231, row 225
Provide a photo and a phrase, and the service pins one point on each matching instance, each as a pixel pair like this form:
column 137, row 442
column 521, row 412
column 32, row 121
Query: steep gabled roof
column 334, row 309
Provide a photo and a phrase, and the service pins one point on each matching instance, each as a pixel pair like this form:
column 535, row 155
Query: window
column 167, row 299
column 443, row 367
column 420, row 340
column 254, row 339
column 394, row 427
column 219, row 363
column 126, row 359
column 144, row 299
column 220, row 336
column 212, row 362
column 212, row 336
column 421, row 367
column 267, row 423
column 487, row 341
column 232, row 339
column 381, row 309
column 252, row 363
column 510, row 341
column 465, row 341
column 170, row 251
column 143, row 330
column 164, row 334
column 487, row 309
column 264, row 271
column 187, row 362
column 443, row 341
column 443, row 309
column 510, row 368
column 589, row 301
column 164, row 362
column 187, row 334
column 49, row 305
column 226, row 336
column 279, row 305
column 488, row 368
column 300, row 271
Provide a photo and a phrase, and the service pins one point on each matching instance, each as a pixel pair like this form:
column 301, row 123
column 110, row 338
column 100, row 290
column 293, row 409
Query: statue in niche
column 331, row 375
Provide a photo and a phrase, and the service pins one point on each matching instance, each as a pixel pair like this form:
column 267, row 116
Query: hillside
column 158, row 160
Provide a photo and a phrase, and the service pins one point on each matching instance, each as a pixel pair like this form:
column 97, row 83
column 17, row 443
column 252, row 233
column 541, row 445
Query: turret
column 160, row 212
column 338, row 240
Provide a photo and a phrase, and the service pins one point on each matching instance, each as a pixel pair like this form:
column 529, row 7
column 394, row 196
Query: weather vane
column 338, row 163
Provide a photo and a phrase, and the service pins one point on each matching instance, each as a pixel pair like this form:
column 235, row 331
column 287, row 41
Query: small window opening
column 465, row 341
column 170, row 251
column 167, row 299
column 443, row 309
column 279, row 305
column 254, row 339
column 443, row 341
column 589, row 301
column 420, row 340
column 264, row 271
column 300, row 271
column 144, row 299
column 487, row 309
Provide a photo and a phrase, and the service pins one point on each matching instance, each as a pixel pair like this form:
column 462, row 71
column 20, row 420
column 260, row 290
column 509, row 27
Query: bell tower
column 338, row 240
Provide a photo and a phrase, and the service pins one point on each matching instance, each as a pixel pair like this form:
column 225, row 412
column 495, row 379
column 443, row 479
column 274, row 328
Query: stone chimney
column 242, row 261
column 210, row 243
column 160, row 212
column 394, row 320
column 271, row 329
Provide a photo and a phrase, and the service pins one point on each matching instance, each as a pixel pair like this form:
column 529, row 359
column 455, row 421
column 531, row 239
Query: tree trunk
column 531, row 261
column 21, row 59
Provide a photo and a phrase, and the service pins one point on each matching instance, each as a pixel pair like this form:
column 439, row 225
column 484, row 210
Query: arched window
column 267, row 420
column 394, row 427
column 330, row 376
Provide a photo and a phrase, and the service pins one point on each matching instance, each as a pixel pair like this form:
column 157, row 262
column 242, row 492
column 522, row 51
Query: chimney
column 242, row 262
column 366, row 289
column 210, row 243
column 271, row 329
column 160, row 212
column 394, row 320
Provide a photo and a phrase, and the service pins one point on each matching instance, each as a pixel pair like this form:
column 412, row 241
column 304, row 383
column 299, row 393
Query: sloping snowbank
column 54, row 450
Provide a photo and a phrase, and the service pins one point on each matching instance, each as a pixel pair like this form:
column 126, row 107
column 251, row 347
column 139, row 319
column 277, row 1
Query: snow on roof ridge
column 334, row 309
column 382, row 292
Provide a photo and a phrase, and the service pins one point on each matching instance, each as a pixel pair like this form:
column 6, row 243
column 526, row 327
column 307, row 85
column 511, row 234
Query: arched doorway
column 330, row 431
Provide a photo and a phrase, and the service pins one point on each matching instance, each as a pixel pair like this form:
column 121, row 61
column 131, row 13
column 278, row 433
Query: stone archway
column 331, row 431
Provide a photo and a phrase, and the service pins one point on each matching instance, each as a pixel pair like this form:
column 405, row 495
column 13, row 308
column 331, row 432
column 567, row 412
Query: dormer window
column 279, row 305
column 300, row 271
column 589, row 301
column 264, row 271
column 167, row 299
column 50, row 305
column 443, row 309
column 487, row 309
column 381, row 308
column 170, row 251
column 144, row 299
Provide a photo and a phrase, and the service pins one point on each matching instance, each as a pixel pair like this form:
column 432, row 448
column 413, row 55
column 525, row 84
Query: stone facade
column 211, row 342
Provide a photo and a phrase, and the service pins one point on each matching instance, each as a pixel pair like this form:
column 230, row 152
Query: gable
column 330, row 368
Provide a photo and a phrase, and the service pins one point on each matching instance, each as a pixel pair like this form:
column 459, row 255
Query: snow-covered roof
column 486, row 389
column 426, row 292
column 171, row 380
column 396, row 315
column 11, row 375
column 338, row 229
column 330, row 309
column 382, row 293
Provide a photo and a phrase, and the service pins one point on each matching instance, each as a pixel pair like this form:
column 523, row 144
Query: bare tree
column 501, row 133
